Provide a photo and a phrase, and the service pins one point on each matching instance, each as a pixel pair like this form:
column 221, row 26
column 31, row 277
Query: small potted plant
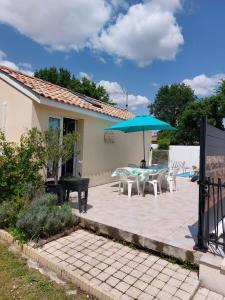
column 58, row 149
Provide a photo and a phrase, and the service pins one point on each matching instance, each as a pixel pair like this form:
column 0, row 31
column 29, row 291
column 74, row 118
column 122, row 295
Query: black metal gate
column 211, row 223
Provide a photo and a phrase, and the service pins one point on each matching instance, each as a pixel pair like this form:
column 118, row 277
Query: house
column 27, row 102
column 155, row 139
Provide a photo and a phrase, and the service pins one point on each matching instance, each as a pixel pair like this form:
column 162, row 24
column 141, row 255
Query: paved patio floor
column 121, row 272
column 168, row 219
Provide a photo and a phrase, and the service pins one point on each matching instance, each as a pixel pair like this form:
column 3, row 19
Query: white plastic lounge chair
column 130, row 181
column 181, row 165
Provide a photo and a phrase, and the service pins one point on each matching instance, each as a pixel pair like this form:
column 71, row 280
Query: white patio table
column 141, row 173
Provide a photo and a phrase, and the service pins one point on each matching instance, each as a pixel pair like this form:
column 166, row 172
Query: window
column 54, row 123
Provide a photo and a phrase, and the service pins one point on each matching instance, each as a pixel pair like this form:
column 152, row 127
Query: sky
column 128, row 46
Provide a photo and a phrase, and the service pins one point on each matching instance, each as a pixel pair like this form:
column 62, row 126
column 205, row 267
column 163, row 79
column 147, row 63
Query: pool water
column 185, row 174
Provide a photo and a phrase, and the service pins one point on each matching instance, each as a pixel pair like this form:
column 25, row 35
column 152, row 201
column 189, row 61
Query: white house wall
column 101, row 159
column 189, row 154
column 15, row 111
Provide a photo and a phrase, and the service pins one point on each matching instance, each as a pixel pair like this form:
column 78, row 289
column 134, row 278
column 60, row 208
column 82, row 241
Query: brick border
column 71, row 276
column 42, row 242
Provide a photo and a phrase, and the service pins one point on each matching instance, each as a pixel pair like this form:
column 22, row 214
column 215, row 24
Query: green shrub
column 44, row 218
column 160, row 157
column 58, row 219
column 7, row 214
column 163, row 144
column 20, row 165
column 9, row 211
column 44, row 200
column 31, row 222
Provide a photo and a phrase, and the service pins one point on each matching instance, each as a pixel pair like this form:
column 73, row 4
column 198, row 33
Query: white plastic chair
column 180, row 165
column 130, row 181
column 157, row 182
column 172, row 179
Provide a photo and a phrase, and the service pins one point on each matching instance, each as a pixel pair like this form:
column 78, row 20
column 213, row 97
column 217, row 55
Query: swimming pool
column 185, row 175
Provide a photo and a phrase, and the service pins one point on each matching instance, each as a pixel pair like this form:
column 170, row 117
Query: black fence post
column 201, row 243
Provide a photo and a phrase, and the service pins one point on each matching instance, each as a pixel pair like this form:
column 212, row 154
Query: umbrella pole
column 144, row 142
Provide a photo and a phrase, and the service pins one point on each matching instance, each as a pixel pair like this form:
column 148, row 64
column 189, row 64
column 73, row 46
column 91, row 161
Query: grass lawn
column 17, row 281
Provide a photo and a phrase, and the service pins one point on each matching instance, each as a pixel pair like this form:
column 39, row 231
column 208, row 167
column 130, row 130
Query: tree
column 214, row 110
column 186, row 119
column 48, row 74
column 63, row 77
column 170, row 101
column 188, row 130
column 221, row 89
column 58, row 150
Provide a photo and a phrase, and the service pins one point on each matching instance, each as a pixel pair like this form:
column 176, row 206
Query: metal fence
column 211, row 223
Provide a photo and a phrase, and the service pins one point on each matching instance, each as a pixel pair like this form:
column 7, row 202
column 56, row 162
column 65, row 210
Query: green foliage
column 9, row 211
column 20, row 165
column 57, row 150
column 17, row 281
column 44, row 218
column 221, row 89
column 64, row 78
column 58, row 219
column 213, row 108
column 188, row 132
column 164, row 144
column 170, row 101
column 20, row 179
column 160, row 157
column 48, row 200
column 187, row 118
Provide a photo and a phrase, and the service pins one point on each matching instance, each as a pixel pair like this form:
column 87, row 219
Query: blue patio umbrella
column 141, row 123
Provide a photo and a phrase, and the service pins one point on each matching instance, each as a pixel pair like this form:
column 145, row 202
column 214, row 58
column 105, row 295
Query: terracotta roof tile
column 63, row 95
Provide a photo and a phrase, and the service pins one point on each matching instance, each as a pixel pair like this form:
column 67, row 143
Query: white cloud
column 118, row 95
column 23, row 67
column 84, row 74
column 144, row 32
column 204, row 85
column 59, row 25
column 147, row 31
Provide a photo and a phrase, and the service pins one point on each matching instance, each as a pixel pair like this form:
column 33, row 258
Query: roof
column 155, row 139
column 63, row 95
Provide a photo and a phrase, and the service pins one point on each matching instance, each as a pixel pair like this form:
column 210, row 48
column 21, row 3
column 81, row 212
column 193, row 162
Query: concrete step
column 212, row 272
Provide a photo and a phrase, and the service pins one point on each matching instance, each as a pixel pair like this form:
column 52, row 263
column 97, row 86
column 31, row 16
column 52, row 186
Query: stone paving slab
column 166, row 223
column 119, row 270
column 205, row 294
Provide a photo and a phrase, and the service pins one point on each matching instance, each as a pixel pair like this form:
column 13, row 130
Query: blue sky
column 132, row 45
